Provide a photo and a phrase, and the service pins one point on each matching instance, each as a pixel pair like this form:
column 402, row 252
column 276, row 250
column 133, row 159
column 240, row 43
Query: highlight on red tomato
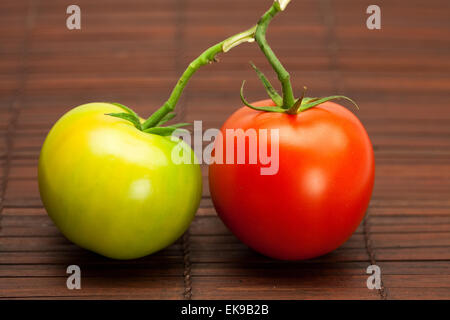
column 321, row 189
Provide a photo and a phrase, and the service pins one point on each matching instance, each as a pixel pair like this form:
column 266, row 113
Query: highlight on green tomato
column 112, row 188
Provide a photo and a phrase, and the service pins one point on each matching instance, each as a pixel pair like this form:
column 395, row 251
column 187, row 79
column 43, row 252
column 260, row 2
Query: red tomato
column 319, row 195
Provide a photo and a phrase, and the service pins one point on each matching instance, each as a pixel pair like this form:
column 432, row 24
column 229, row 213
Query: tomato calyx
column 129, row 115
column 285, row 103
column 297, row 105
column 300, row 105
column 158, row 129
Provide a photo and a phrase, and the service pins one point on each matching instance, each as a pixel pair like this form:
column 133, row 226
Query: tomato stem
column 258, row 33
column 206, row 57
column 260, row 37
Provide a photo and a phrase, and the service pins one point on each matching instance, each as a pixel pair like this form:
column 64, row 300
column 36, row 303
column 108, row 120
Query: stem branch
column 206, row 57
column 257, row 33
column 260, row 37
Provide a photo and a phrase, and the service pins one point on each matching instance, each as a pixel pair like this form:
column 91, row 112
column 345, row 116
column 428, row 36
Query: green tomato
column 113, row 189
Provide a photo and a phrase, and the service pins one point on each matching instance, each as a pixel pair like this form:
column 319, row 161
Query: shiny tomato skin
column 113, row 189
column 319, row 195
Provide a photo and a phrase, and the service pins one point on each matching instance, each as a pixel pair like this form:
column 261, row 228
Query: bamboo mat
column 133, row 52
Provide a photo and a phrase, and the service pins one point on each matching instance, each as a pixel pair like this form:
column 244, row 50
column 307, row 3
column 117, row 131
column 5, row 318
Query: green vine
column 285, row 103
column 283, row 75
column 165, row 113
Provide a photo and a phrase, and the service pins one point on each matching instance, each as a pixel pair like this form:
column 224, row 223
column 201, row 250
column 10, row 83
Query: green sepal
column 129, row 117
column 296, row 106
column 166, row 118
column 312, row 102
column 180, row 125
column 308, row 100
column 129, row 110
column 273, row 94
column 267, row 109
column 163, row 131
